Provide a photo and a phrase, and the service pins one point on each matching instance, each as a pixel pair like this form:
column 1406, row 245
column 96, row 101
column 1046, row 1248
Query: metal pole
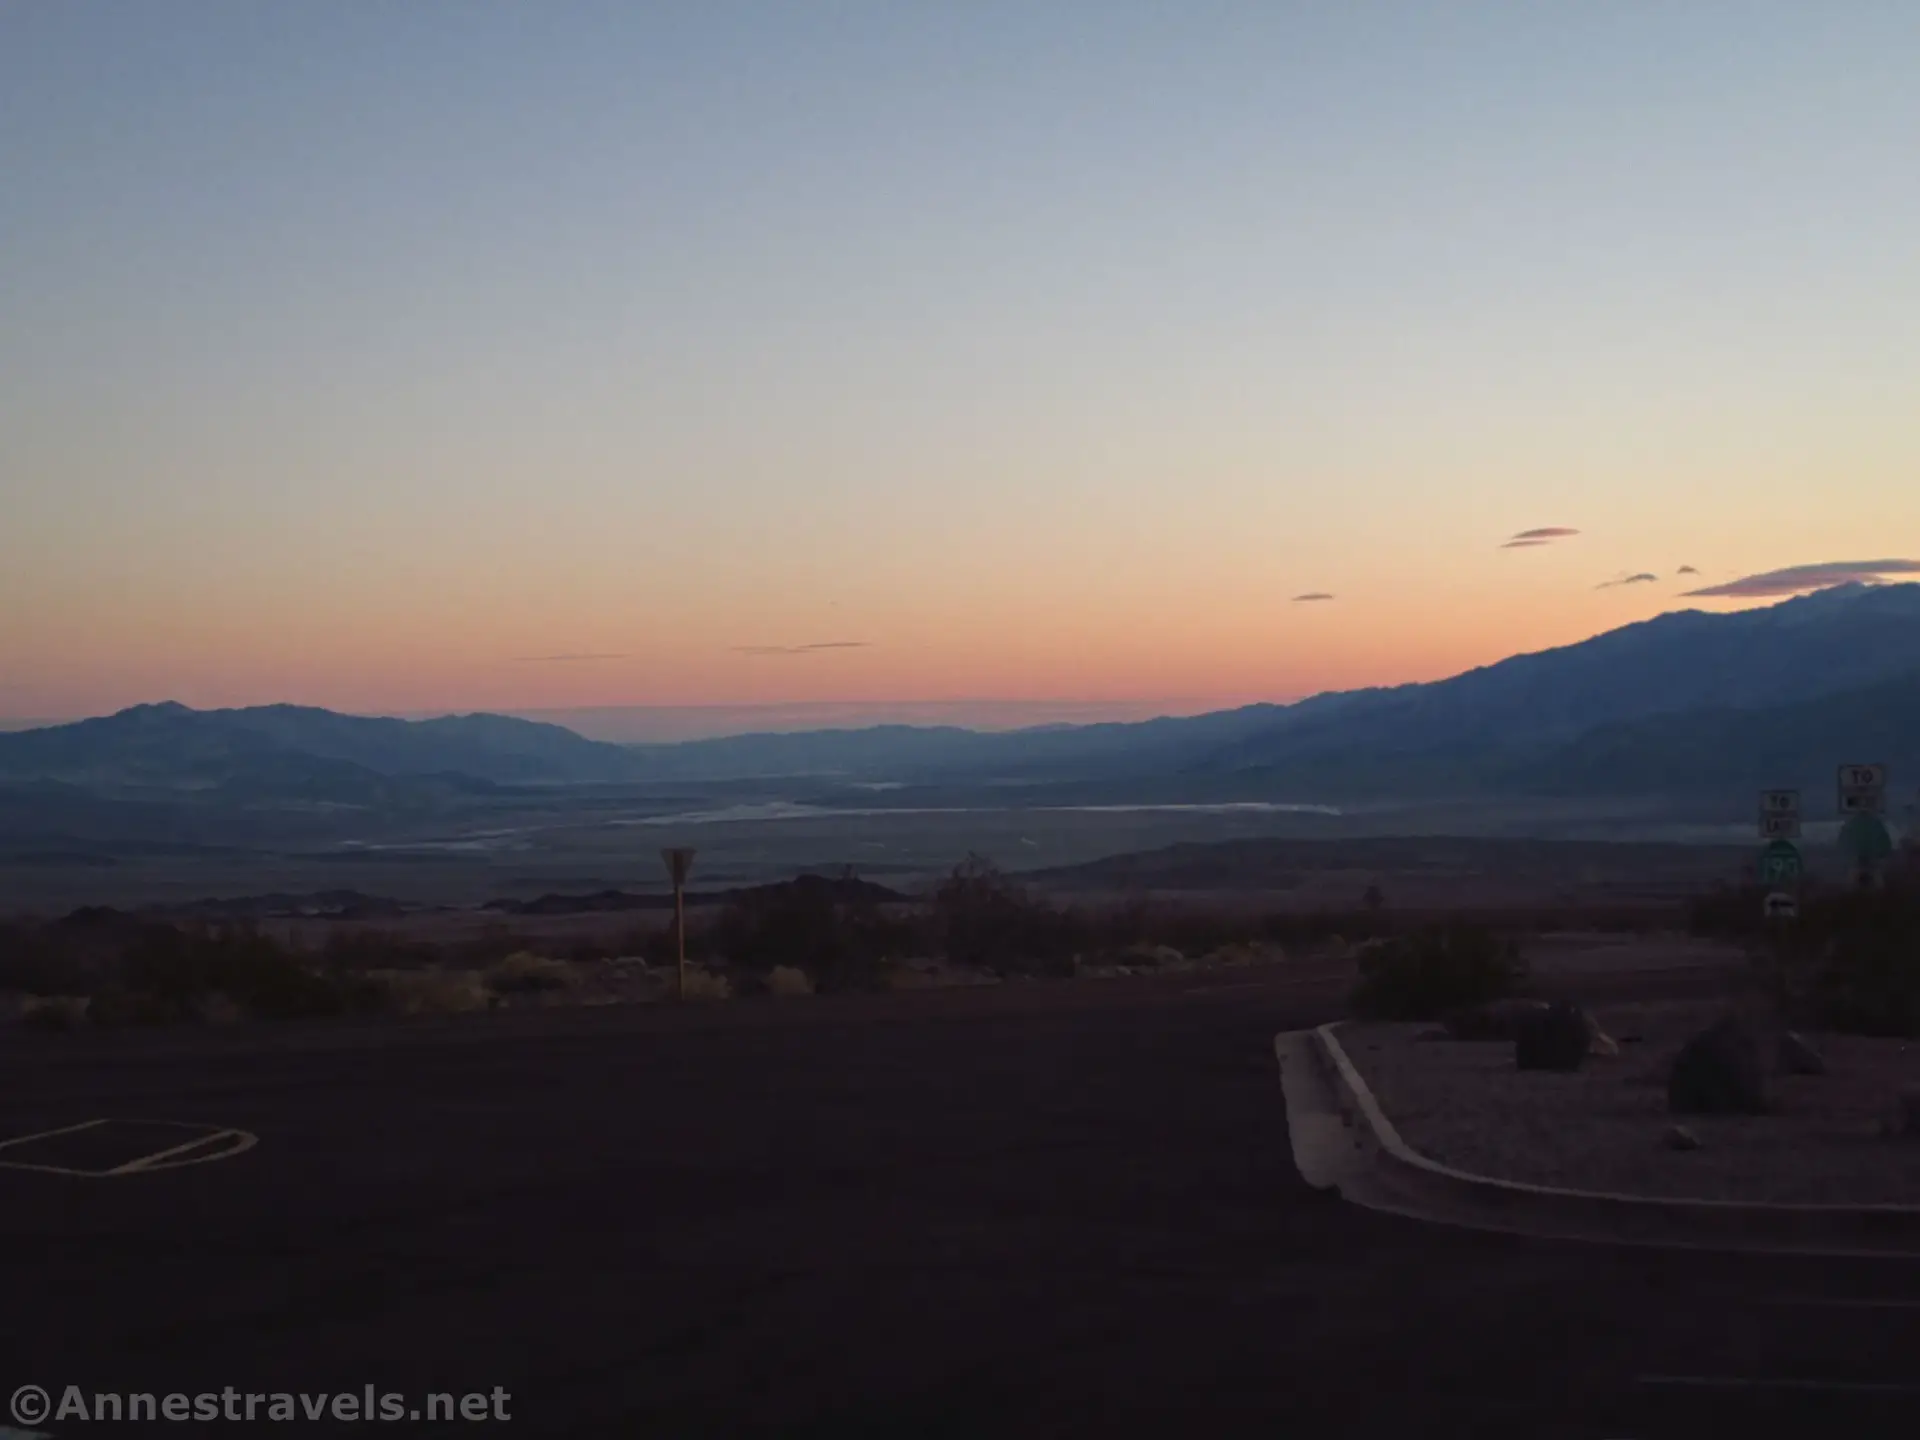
column 679, row 862
column 680, row 932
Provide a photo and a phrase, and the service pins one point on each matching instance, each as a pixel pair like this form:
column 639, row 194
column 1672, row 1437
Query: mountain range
column 1687, row 703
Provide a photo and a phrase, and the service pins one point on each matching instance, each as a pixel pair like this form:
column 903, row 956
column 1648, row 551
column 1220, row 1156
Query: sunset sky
column 530, row 356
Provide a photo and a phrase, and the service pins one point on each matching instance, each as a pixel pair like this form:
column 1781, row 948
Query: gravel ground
column 1604, row 1127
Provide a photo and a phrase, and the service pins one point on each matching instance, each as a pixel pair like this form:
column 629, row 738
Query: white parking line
column 49, row 1134
column 155, row 1161
column 1752, row 1382
column 170, row 1158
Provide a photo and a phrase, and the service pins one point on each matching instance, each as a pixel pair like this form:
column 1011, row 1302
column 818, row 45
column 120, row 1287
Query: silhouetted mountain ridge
column 1686, row 696
column 292, row 750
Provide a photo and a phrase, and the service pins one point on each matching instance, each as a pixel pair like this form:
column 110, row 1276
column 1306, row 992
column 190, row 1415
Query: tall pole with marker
column 679, row 862
column 1780, row 865
column 1863, row 835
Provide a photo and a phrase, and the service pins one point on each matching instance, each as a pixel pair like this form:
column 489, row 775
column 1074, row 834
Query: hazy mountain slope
column 1503, row 725
column 1739, row 751
column 925, row 753
column 1835, row 640
column 171, row 745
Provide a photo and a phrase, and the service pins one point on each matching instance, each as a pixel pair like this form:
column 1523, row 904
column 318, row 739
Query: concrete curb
column 1395, row 1176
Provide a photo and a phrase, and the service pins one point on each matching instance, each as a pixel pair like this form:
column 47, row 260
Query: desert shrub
column 1728, row 912
column 1850, row 961
column 354, row 951
column 1192, row 930
column 1306, row 930
column 116, row 1006
column 218, row 1008
column 703, row 984
column 168, row 971
column 806, row 925
column 525, row 973
column 786, row 980
column 1420, row 976
column 436, row 992
column 988, row 921
column 34, row 962
column 656, row 944
column 494, row 943
column 53, row 1014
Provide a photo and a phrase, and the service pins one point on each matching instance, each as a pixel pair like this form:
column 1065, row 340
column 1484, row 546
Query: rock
column 1904, row 1122
column 1720, row 1071
column 1797, row 1057
column 1495, row 1020
column 1598, row 1041
column 1679, row 1137
column 1557, row 1038
column 1155, row 955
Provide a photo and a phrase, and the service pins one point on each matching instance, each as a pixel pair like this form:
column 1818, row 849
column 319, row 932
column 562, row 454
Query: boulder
column 1679, row 1137
column 1155, row 955
column 1720, row 1071
column 1797, row 1057
column 1557, row 1038
column 1494, row 1020
column 1598, row 1041
column 1904, row 1121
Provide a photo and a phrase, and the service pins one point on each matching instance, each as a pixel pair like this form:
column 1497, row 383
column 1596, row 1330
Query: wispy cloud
column 1645, row 577
column 817, row 645
column 567, row 659
column 1518, row 544
column 1539, row 535
column 1686, row 570
column 1798, row 579
column 1311, row 595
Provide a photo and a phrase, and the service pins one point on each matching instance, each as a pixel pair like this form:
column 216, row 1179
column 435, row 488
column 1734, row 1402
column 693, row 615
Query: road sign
column 1780, row 863
column 1863, row 777
column 1863, row 789
column 1866, row 841
column 1781, row 907
column 1774, row 826
column 1779, row 802
column 678, row 862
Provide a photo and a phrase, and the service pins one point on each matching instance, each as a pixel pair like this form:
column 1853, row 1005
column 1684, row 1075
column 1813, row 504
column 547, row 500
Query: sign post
column 1863, row 789
column 678, row 863
column 1779, row 814
column 1863, row 800
column 1780, row 863
column 1780, row 866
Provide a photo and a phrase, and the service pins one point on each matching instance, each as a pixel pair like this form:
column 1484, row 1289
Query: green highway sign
column 1780, row 863
column 1865, row 840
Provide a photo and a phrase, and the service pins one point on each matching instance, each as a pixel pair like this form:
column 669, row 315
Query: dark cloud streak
column 1798, row 579
column 1545, row 532
column 813, row 648
column 1311, row 595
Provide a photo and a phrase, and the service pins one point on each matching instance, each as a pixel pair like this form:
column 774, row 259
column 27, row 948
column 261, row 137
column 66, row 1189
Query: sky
column 971, row 358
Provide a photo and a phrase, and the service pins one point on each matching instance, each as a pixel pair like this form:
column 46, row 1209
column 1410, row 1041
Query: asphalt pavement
column 1041, row 1211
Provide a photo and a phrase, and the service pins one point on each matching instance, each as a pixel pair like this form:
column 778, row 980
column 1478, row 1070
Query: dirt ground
column 1605, row 1127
